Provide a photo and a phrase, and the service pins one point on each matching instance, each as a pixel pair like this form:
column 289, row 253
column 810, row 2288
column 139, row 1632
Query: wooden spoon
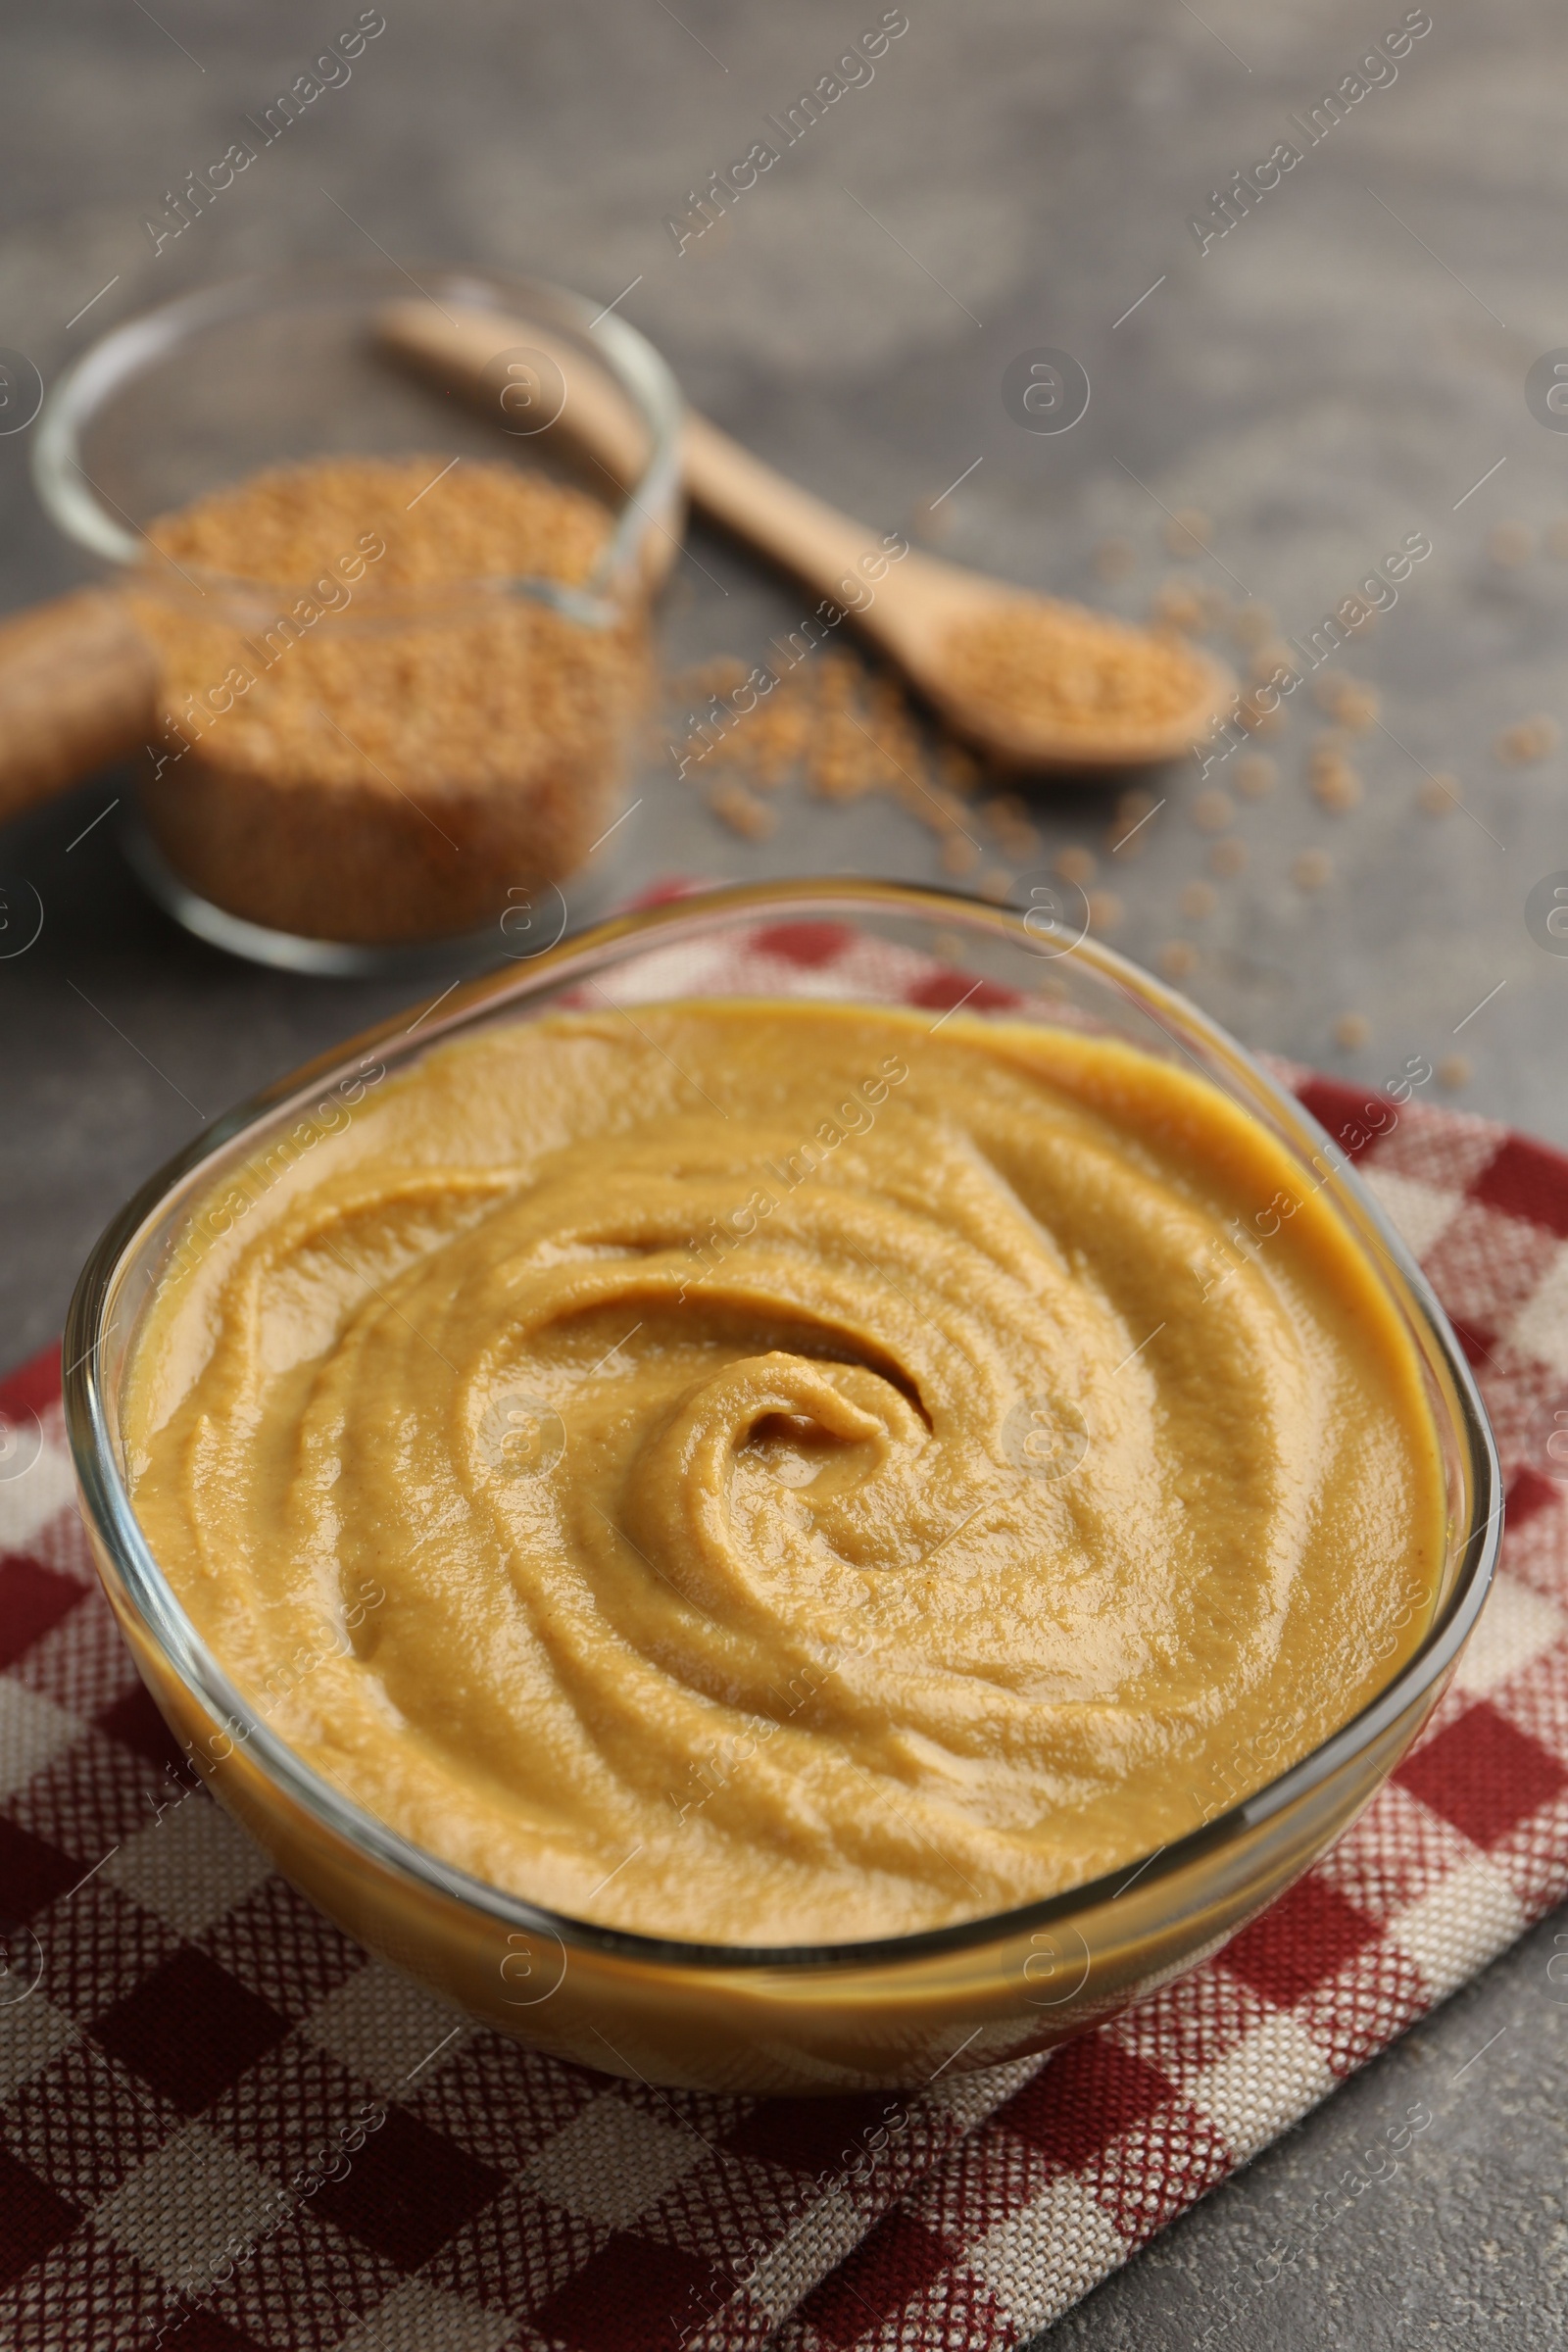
column 1032, row 683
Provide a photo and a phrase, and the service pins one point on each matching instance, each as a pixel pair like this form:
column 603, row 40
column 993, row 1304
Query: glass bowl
column 884, row 2013
column 299, row 365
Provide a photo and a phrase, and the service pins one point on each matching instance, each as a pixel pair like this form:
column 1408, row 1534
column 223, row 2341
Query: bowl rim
column 87, row 516
column 107, row 1503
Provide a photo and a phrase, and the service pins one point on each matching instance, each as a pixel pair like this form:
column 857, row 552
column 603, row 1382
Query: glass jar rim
column 84, row 514
column 107, row 1499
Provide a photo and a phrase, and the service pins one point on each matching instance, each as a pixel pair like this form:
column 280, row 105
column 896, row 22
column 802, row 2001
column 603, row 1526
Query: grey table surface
column 1343, row 368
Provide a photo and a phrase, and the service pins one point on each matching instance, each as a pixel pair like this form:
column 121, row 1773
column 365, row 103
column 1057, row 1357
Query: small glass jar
column 884, row 2013
column 512, row 704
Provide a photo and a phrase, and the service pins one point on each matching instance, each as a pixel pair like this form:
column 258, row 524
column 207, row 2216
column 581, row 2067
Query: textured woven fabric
column 223, row 2126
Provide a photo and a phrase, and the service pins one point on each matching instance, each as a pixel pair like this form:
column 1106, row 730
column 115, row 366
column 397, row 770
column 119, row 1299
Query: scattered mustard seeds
column 1199, row 901
column 1015, row 833
column 957, row 767
column 840, row 729
column 1268, row 659
column 1254, row 775
column 1312, row 869
column 1178, row 606
column 1338, row 787
column 1228, row 858
column 843, row 729
column 1177, row 959
column 1188, row 531
column 1352, row 1031
column 1438, row 795
column 1211, row 812
column 1528, row 740
column 1349, row 701
column 1453, row 1071
column 1133, row 809
column 743, row 812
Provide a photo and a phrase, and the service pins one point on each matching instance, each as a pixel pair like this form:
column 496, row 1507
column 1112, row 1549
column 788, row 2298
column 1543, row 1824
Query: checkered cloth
column 222, row 2125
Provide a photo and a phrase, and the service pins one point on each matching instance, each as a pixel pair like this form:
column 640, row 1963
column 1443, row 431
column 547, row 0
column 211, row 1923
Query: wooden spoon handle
column 806, row 536
column 812, row 540
column 455, row 351
column 77, row 688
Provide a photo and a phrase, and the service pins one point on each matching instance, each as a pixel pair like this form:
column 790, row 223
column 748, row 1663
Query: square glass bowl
column 352, row 360
column 884, row 2013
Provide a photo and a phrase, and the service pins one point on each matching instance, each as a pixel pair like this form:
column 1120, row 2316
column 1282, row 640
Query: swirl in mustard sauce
column 779, row 1473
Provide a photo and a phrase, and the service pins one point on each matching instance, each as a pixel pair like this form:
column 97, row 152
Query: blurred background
column 1274, row 410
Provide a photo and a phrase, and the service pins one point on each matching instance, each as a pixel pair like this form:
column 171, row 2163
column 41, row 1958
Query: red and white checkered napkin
column 222, row 2125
